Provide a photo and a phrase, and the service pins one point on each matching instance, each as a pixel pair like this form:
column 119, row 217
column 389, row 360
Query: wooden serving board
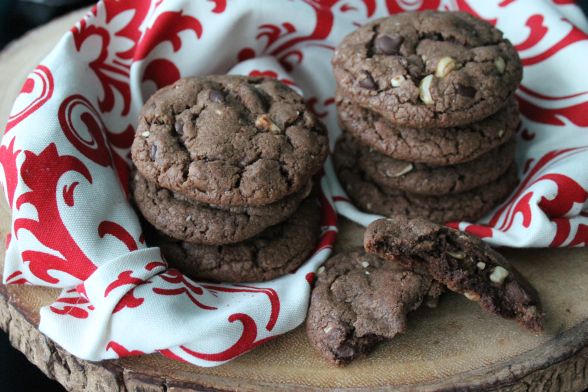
column 456, row 346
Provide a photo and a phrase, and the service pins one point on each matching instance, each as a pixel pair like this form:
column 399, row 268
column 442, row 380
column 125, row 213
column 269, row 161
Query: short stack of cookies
column 223, row 175
column 426, row 103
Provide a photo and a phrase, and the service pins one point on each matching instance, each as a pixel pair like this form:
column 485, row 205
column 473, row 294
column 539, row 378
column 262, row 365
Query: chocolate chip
column 153, row 151
column 368, row 82
column 388, row 45
column 179, row 126
column 216, row 96
column 466, row 91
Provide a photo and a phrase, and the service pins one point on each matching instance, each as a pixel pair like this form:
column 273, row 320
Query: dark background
column 17, row 17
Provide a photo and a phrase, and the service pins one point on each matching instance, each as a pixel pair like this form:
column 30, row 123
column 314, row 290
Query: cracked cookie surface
column 378, row 199
column 463, row 263
column 428, row 69
column 229, row 140
column 191, row 221
column 276, row 251
column 359, row 300
column 434, row 146
column 433, row 180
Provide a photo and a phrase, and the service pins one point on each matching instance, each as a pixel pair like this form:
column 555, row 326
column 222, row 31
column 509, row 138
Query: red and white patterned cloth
column 65, row 158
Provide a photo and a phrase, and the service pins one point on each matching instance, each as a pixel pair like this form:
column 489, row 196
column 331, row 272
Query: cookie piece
column 425, row 179
column 359, row 300
column 277, row 251
column 229, row 140
column 465, row 264
column 435, row 146
column 378, row 199
column 428, row 69
column 200, row 223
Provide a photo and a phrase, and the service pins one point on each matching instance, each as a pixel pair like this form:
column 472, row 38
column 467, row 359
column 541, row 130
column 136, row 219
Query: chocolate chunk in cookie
column 359, row 300
column 465, row 264
column 424, row 179
column 435, row 146
column 428, row 69
column 229, row 140
column 200, row 223
column 376, row 198
column 276, row 251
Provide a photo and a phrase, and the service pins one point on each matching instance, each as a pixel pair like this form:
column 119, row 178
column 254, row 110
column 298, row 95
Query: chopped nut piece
column 397, row 81
column 365, row 264
column 425, row 90
column 328, row 328
column 444, row 67
column 481, row 265
column 500, row 133
column 367, row 272
column 498, row 275
column 188, row 218
column 457, row 255
column 146, row 134
column 500, row 65
column 402, row 172
column 264, row 122
column 321, row 269
column 472, row 296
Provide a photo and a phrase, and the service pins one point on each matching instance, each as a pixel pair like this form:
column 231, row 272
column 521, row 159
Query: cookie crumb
column 472, row 296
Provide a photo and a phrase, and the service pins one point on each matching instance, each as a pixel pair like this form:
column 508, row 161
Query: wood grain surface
column 454, row 347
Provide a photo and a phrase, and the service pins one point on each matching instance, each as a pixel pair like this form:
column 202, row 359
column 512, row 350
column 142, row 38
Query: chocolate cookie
column 200, row 223
column 358, row 300
column 428, row 69
column 465, row 264
column 229, row 140
column 425, row 179
column 278, row 250
column 436, row 146
column 378, row 199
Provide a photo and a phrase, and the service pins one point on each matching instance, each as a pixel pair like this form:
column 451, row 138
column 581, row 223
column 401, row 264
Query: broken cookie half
column 463, row 263
column 359, row 300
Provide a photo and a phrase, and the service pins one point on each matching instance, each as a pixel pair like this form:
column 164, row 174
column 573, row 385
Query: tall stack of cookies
column 224, row 168
column 426, row 103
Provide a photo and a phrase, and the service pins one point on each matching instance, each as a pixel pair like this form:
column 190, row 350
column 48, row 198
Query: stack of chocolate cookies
column 426, row 103
column 224, row 168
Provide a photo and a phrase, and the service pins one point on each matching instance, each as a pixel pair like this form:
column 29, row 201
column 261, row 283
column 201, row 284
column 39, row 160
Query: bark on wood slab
column 454, row 347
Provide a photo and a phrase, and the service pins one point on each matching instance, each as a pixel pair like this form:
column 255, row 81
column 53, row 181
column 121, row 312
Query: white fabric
column 65, row 153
